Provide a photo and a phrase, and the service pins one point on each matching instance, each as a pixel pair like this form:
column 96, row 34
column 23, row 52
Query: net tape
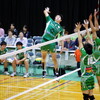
column 41, row 44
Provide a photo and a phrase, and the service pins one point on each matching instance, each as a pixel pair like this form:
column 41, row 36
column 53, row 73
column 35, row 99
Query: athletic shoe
column 44, row 74
column 6, row 73
column 13, row 74
column 26, row 75
column 57, row 75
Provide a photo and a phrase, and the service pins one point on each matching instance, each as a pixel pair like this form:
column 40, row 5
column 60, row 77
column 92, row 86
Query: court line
column 19, row 80
column 44, row 96
column 51, row 90
column 62, row 91
column 31, row 94
column 42, row 91
column 45, row 91
column 60, row 85
column 15, row 86
column 76, row 92
column 51, row 85
column 59, row 89
column 4, row 79
column 67, row 86
column 54, row 88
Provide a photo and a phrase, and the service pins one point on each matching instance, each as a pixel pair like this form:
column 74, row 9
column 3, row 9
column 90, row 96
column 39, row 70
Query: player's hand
column 78, row 26
column 47, row 9
column 86, row 24
column 90, row 17
column 95, row 12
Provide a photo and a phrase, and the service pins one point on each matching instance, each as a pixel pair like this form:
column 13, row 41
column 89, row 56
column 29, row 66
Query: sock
column 92, row 97
column 43, row 66
column 57, row 74
column 56, row 70
column 85, row 96
column 44, row 70
column 5, row 69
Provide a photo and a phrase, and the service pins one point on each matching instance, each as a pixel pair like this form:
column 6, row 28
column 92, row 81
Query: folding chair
column 37, row 37
column 30, row 41
column 29, row 44
column 37, row 41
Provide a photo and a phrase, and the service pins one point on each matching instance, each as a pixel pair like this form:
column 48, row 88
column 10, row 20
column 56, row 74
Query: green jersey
column 86, row 60
column 3, row 51
column 97, row 55
column 52, row 29
column 87, row 78
column 20, row 55
column 97, row 48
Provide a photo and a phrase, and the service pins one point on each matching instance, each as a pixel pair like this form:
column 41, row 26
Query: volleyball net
column 42, row 86
column 41, row 44
column 47, row 87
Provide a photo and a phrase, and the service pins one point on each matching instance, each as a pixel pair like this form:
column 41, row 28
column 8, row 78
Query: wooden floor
column 63, row 90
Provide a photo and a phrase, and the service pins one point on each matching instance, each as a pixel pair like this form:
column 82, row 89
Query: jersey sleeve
column 48, row 18
column 83, row 52
column 62, row 33
column 97, row 40
column 6, row 50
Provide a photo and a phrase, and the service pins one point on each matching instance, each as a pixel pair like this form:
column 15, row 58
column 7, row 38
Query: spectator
column 1, row 31
column 26, row 32
column 10, row 39
column 22, row 39
column 14, row 30
column 76, row 41
column 68, row 45
column 3, row 50
column 20, row 58
column 78, row 59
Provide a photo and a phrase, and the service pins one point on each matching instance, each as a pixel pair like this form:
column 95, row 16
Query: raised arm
column 46, row 11
column 96, row 20
column 85, row 25
column 78, row 27
column 91, row 23
column 94, row 36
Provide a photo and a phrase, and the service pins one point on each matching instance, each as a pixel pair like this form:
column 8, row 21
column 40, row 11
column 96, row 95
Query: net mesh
column 35, row 87
column 38, row 88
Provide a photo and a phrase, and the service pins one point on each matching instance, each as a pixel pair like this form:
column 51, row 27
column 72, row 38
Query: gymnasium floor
column 67, row 88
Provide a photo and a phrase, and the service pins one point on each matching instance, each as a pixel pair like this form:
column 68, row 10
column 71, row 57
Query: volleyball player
column 96, row 39
column 53, row 28
column 3, row 50
column 87, row 77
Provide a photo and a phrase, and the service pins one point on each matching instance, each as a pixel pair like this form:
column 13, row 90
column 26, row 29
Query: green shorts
column 98, row 68
column 87, row 82
column 23, row 61
column 49, row 47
